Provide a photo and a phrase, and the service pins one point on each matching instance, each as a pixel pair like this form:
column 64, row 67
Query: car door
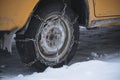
column 107, row 8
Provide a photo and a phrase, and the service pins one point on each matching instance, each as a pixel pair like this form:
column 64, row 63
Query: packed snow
column 107, row 69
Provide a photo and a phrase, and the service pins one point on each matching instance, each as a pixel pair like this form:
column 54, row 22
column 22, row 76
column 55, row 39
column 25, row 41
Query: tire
column 52, row 36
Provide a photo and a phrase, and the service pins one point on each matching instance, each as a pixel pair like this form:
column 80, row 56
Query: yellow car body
column 106, row 12
column 15, row 13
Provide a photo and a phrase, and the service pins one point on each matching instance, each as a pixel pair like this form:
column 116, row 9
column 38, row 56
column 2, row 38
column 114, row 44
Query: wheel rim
column 53, row 38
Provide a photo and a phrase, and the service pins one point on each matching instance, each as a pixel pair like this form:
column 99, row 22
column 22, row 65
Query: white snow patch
column 89, row 70
column 2, row 66
column 82, row 28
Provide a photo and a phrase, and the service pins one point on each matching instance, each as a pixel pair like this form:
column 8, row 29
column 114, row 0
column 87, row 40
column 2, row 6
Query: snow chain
column 41, row 19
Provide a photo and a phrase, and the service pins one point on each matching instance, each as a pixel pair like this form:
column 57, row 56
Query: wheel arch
column 80, row 7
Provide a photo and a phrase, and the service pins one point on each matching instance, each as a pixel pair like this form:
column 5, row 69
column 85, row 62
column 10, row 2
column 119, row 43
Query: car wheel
column 52, row 36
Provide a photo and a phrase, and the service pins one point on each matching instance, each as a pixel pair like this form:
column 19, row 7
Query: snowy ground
column 99, row 50
column 108, row 69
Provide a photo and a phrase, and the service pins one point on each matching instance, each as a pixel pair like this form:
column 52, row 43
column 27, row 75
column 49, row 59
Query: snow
column 108, row 69
column 82, row 28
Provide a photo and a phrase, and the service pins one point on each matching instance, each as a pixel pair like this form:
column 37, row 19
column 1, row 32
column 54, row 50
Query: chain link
column 31, row 63
column 63, row 11
column 27, row 40
column 76, row 18
column 38, row 17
